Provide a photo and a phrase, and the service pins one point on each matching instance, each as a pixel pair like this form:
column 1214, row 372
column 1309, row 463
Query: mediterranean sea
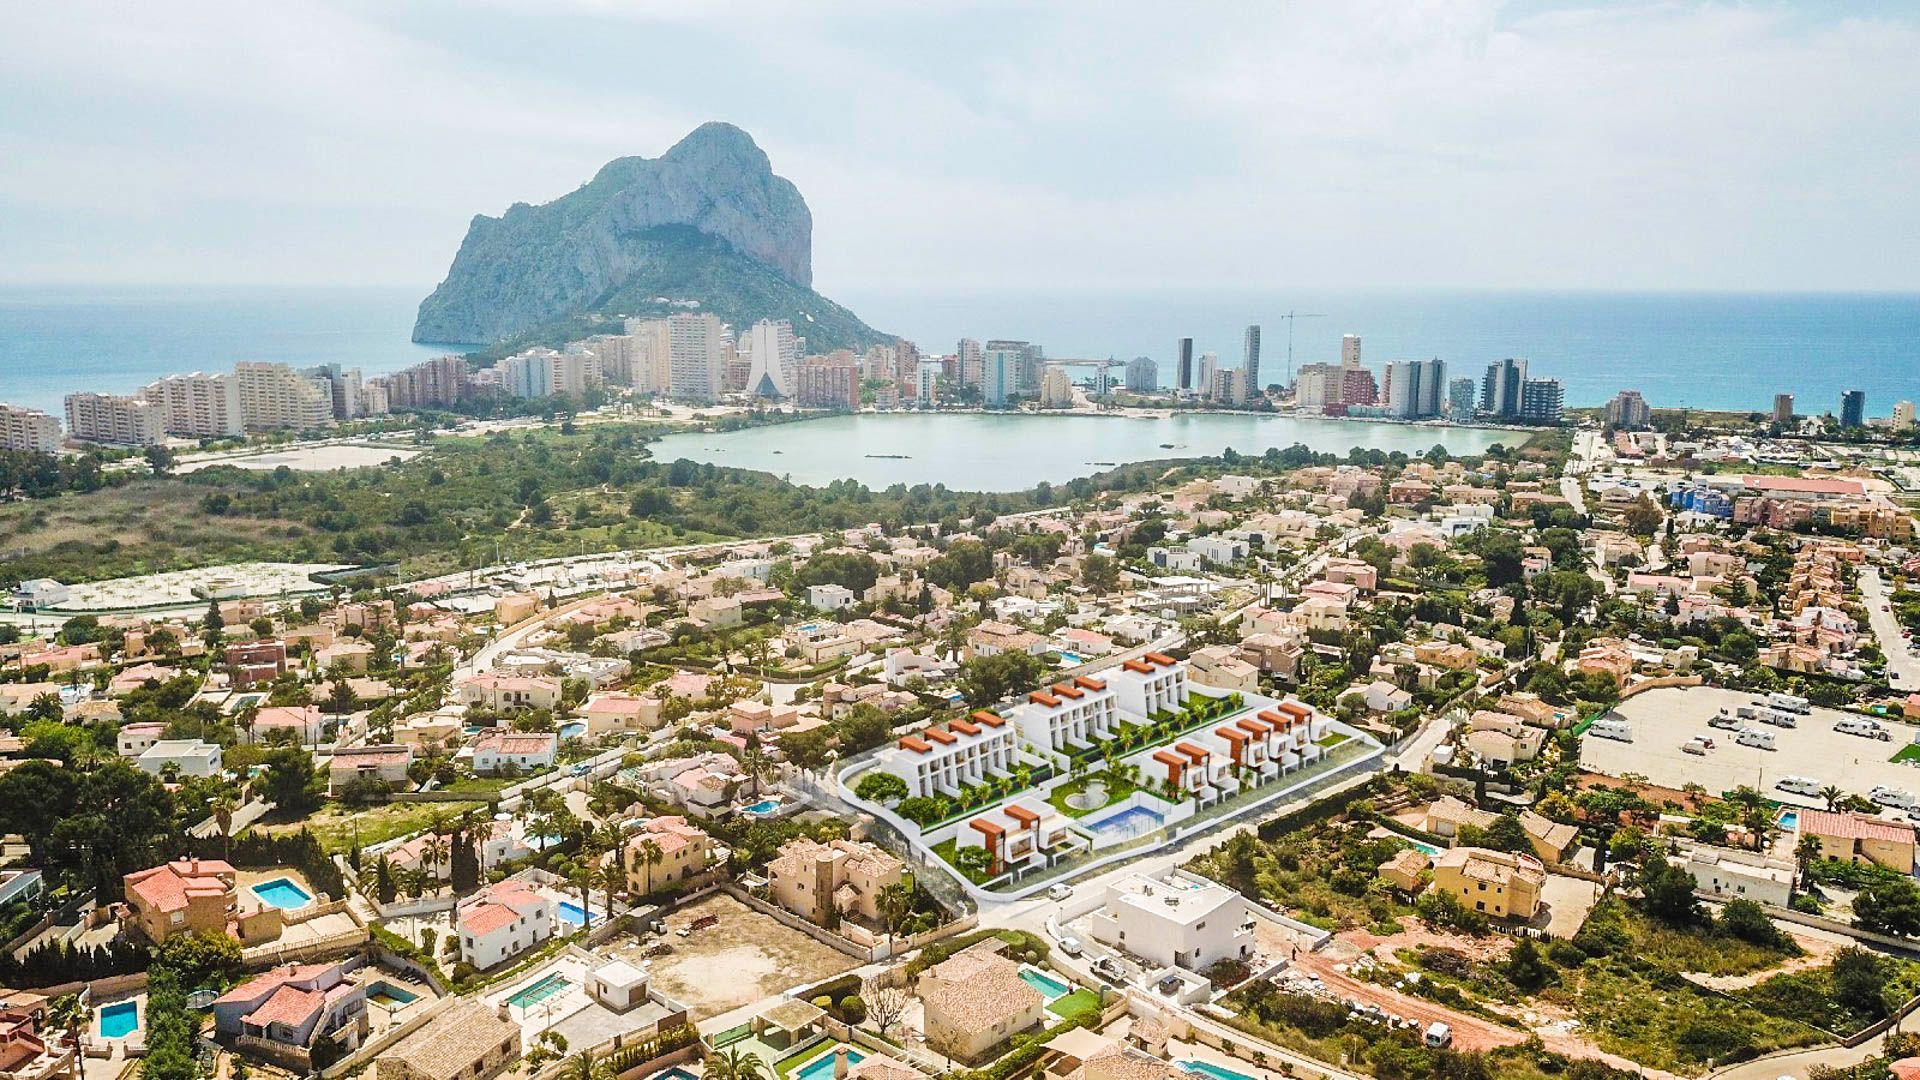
column 1702, row 350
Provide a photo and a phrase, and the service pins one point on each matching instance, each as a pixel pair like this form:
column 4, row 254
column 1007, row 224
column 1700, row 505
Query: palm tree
column 1833, row 795
column 755, row 764
column 432, row 853
column 734, row 1065
column 895, row 903
column 650, row 856
column 583, row 1066
column 69, row 1014
column 582, row 879
column 223, row 808
column 1804, row 852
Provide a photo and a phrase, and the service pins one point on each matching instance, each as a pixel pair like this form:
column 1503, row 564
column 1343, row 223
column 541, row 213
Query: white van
column 1779, row 718
column 1886, row 796
column 1866, row 729
column 1618, row 730
column 1439, row 1035
column 1798, row 785
column 1789, row 702
column 1754, row 737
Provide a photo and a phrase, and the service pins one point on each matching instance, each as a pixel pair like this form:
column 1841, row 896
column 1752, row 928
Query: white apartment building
column 115, row 419
column 1182, row 920
column 198, row 405
column 1155, row 682
column 1222, row 550
column 1067, row 716
column 696, row 357
column 651, row 354
column 944, row 760
column 22, row 428
column 502, row 921
column 774, row 356
column 274, row 397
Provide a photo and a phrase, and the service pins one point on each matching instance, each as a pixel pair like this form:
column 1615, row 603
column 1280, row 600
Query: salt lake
column 1014, row 451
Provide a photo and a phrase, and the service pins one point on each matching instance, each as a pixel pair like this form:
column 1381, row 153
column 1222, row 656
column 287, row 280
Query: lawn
column 337, row 827
column 1117, row 789
column 1075, row 1005
column 1909, row 752
column 1331, row 740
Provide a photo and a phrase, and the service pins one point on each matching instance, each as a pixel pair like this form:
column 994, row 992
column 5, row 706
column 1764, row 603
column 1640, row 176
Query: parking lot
column 1662, row 720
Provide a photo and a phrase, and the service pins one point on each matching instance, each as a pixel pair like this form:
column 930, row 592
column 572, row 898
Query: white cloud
column 1458, row 143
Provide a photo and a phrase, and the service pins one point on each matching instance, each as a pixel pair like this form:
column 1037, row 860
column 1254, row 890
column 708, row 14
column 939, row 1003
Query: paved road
column 1902, row 666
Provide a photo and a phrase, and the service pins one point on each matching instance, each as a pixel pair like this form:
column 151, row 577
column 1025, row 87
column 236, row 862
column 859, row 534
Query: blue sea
column 1701, row 350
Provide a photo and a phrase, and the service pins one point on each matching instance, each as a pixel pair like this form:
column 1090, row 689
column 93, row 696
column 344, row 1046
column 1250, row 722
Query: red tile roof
column 1854, row 827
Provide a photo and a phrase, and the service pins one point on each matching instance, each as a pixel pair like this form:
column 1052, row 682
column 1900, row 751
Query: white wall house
column 529, row 751
column 1069, row 715
column 1181, row 920
column 190, row 757
column 944, row 760
column 1153, row 683
column 501, row 922
column 830, row 597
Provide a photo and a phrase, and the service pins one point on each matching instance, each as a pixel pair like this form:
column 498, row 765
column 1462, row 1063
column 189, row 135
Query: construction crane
column 1290, row 316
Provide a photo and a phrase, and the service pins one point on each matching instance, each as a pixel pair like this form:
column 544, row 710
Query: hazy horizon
column 1452, row 145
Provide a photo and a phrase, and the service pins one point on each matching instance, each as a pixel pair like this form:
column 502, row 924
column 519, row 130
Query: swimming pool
column 821, row 1068
column 1048, row 986
column 1209, row 1069
column 572, row 913
column 547, row 986
column 389, row 996
column 1129, row 823
column 1431, row 851
column 1788, row 820
column 764, row 806
column 282, row 893
column 675, row 1073
column 573, row 729
column 1072, row 659
column 119, row 1019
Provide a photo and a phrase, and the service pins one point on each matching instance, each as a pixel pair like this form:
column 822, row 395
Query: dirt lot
column 1664, row 719
column 747, row 956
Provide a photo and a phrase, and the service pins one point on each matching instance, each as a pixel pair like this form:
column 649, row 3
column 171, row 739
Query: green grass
column 1909, row 752
column 1075, row 1005
column 1117, row 789
column 1331, row 740
column 337, row 828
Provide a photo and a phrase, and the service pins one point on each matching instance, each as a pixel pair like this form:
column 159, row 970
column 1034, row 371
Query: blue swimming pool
column 675, row 1073
column 1127, row 824
column 764, row 806
column 119, row 1019
column 1789, row 820
column 1048, row 986
column 536, row 992
column 282, row 893
column 1209, row 1069
column 573, row 729
column 572, row 913
column 821, row 1068
column 390, row 996
column 1431, row 851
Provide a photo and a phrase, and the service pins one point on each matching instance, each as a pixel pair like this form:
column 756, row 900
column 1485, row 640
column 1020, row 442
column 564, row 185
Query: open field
column 745, row 957
column 135, row 528
column 1664, row 719
column 324, row 458
column 337, row 828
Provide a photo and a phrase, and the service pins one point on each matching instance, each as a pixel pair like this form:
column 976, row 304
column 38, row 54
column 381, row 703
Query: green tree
column 291, row 781
column 1889, row 905
column 984, row 680
column 1666, row 891
column 881, row 787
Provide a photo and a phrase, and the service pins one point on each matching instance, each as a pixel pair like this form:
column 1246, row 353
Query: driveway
column 1901, row 661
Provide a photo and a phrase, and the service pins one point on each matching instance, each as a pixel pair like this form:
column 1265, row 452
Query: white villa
column 1181, row 920
column 1069, row 716
column 945, row 760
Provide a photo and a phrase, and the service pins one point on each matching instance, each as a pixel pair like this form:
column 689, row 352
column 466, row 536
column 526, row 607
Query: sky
column 946, row 145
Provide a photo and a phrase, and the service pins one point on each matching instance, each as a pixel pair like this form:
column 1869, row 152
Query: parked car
column 1070, row 945
column 1059, row 892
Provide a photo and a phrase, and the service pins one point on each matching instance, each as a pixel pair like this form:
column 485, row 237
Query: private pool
column 675, row 1073
column 534, row 993
column 821, row 1068
column 573, row 729
column 1209, row 1069
column 764, row 806
column 390, row 997
column 1048, row 986
column 1788, row 820
column 571, row 913
column 119, row 1019
column 282, row 893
